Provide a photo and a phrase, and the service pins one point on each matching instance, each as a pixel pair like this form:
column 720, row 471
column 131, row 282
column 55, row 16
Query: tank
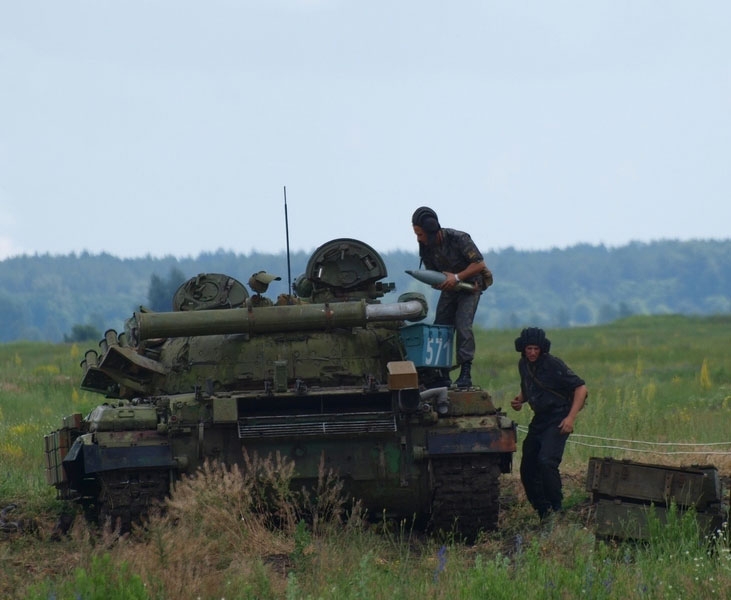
column 328, row 373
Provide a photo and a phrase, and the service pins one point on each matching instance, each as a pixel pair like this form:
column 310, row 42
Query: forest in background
column 56, row 298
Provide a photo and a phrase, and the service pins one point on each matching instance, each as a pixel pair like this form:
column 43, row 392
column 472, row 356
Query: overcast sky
column 171, row 127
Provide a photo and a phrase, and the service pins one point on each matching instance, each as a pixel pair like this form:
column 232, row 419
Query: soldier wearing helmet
column 455, row 254
column 259, row 283
column 556, row 394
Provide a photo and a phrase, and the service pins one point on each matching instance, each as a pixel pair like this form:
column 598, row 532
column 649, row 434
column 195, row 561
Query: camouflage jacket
column 454, row 254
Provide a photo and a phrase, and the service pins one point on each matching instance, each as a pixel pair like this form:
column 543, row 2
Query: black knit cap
column 426, row 218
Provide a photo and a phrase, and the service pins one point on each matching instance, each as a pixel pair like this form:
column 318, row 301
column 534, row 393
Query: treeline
column 57, row 298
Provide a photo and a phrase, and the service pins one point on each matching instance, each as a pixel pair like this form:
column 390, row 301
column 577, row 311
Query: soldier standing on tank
column 455, row 254
column 556, row 394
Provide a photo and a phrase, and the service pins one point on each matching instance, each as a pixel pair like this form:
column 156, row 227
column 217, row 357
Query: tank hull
column 399, row 466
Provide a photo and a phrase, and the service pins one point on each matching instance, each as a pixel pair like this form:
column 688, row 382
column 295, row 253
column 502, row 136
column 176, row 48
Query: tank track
column 466, row 496
column 126, row 496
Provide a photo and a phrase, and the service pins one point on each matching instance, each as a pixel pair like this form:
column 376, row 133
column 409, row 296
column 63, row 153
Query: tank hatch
column 347, row 267
column 208, row 291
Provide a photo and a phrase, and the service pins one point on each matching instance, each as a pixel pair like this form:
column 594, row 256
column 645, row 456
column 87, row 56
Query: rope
column 524, row 429
column 653, row 443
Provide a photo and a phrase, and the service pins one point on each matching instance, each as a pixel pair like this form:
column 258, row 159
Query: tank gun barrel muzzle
column 269, row 319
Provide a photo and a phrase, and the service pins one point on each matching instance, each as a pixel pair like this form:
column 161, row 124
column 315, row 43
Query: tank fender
column 85, row 459
column 469, row 440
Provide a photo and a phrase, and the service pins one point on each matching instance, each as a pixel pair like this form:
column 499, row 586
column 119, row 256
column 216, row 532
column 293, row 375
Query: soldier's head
column 532, row 342
column 426, row 225
column 259, row 282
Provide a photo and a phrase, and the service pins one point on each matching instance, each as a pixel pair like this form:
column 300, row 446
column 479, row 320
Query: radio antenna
column 286, row 227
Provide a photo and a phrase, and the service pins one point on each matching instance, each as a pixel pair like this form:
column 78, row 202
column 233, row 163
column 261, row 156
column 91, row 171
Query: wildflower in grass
column 441, row 562
column 47, row 370
column 74, row 351
column 588, row 579
column 638, row 367
column 705, row 376
column 631, row 405
column 23, row 428
column 11, row 450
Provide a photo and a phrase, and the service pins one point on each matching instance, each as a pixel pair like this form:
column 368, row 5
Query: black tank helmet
column 533, row 336
column 427, row 219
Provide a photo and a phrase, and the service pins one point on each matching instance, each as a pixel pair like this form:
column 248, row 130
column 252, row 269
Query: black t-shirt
column 548, row 384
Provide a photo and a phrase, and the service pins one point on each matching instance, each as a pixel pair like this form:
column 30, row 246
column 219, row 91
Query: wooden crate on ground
column 625, row 493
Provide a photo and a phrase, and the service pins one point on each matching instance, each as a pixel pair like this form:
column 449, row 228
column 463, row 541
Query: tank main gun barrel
column 269, row 319
column 437, row 277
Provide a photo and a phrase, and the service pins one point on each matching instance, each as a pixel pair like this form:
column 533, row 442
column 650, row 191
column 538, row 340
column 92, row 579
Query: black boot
column 465, row 378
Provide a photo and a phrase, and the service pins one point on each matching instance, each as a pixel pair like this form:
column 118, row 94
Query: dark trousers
column 542, row 453
column 458, row 310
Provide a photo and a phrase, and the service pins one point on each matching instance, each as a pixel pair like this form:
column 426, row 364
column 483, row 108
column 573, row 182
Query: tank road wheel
column 127, row 496
column 466, row 497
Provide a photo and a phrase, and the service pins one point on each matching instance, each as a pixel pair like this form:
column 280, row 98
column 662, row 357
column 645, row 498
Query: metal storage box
column 428, row 345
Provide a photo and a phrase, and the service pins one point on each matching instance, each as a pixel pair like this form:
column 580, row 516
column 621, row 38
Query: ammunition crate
column 428, row 345
column 625, row 493
column 617, row 519
column 659, row 484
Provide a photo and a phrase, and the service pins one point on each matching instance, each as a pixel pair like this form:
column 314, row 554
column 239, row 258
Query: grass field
column 659, row 392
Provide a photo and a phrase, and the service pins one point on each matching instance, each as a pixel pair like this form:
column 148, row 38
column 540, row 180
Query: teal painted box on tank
column 428, row 345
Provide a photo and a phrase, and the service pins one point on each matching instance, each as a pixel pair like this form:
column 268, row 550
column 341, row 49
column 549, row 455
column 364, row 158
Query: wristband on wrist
column 456, row 276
